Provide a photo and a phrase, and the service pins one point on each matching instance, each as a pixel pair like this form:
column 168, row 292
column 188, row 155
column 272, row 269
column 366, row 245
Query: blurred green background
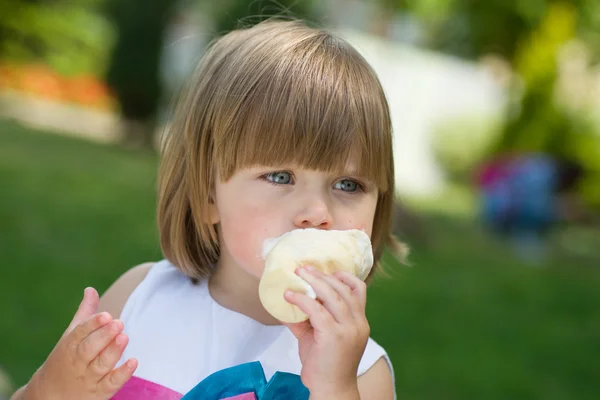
column 85, row 86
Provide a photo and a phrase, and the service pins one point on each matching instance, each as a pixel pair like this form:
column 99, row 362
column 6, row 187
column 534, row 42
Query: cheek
column 244, row 230
column 361, row 218
column 366, row 226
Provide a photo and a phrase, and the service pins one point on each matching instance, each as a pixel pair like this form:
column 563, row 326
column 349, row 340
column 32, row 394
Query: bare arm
column 376, row 383
column 19, row 394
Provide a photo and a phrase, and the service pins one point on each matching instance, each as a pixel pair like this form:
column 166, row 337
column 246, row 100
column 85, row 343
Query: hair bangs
column 316, row 107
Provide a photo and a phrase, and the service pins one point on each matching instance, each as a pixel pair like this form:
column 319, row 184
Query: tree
column 70, row 37
column 133, row 71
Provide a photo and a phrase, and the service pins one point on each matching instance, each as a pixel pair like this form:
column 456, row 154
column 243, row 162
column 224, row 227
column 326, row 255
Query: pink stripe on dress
column 141, row 389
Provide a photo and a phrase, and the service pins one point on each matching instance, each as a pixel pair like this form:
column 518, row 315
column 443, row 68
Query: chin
column 252, row 267
column 254, row 272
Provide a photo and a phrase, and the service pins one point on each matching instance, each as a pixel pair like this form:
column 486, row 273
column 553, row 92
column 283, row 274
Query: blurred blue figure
column 521, row 198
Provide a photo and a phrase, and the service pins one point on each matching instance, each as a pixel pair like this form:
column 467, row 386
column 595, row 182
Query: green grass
column 465, row 321
column 72, row 214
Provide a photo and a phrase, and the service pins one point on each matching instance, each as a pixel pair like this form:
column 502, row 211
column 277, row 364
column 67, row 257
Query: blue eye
column 348, row 185
column 279, row 177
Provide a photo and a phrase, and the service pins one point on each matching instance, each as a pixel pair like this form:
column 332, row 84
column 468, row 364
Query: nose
column 314, row 213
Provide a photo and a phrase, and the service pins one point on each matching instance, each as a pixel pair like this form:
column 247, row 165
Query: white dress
column 180, row 336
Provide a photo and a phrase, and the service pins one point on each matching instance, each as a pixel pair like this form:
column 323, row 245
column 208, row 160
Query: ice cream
column 327, row 250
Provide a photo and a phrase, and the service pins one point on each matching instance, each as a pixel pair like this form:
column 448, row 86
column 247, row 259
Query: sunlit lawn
column 466, row 321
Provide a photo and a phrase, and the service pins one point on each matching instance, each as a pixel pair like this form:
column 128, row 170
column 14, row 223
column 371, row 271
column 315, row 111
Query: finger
column 86, row 328
column 87, row 308
column 320, row 319
column 357, row 286
column 108, row 358
column 114, row 380
column 330, row 298
column 95, row 342
column 343, row 290
column 299, row 329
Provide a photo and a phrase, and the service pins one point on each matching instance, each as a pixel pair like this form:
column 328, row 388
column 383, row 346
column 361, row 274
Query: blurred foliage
column 536, row 57
column 462, row 143
column 538, row 122
column 134, row 68
column 133, row 71
column 530, row 35
column 72, row 37
column 232, row 14
column 44, row 82
column 121, row 41
column 535, row 122
column 470, row 28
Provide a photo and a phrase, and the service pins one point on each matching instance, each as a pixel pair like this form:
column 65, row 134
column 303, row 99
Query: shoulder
column 377, row 383
column 115, row 297
column 375, row 374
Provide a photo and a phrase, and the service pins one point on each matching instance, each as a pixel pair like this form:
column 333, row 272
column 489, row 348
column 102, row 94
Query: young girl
column 282, row 127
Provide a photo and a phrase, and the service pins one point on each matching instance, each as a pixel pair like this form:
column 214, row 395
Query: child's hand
column 81, row 366
column 332, row 341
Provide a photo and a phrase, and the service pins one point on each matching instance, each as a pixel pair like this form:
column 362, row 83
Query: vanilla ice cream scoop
column 327, row 250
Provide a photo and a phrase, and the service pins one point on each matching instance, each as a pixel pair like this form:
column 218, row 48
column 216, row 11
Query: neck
column 236, row 290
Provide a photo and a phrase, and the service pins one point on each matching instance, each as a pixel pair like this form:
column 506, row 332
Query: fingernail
column 104, row 318
column 310, row 268
column 300, row 270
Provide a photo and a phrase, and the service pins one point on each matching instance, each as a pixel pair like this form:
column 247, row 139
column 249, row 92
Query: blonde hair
column 276, row 93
